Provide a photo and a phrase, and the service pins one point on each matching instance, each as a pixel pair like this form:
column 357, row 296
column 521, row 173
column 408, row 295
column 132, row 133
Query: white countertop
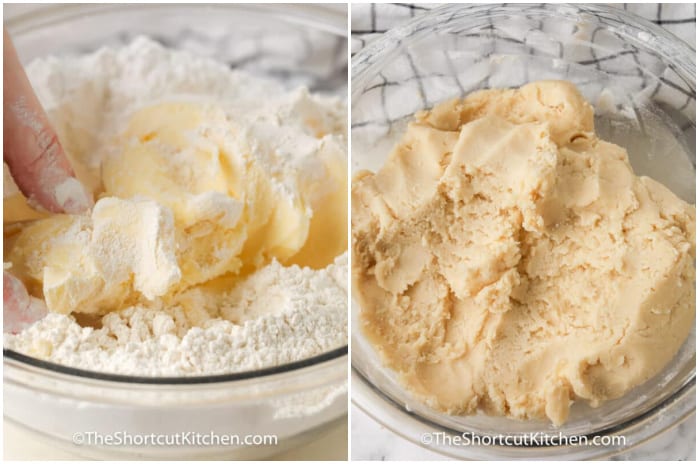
column 20, row 445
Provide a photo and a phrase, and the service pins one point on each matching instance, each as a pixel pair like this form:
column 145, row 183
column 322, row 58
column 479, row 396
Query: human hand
column 40, row 169
column 31, row 148
column 19, row 308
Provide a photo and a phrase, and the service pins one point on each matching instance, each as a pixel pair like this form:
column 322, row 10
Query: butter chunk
column 123, row 251
column 192, row 196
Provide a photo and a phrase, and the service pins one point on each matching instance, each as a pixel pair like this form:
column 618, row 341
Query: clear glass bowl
column 297, row 44
column 641, row 81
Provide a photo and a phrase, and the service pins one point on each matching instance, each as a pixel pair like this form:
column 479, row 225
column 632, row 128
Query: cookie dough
column 506, row 260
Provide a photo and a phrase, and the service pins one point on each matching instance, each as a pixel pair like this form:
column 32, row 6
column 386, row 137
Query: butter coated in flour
column 217, row 241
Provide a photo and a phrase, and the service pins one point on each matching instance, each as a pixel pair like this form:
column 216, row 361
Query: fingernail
column 72, row 197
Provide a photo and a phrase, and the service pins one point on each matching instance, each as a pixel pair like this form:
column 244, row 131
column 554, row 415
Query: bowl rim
column 636, row 424
column 684, row 57
column 328, row 20
column 303, row 14
column 55, row 368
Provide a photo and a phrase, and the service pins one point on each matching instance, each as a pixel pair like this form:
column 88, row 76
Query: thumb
column 31, row 148
column 19, row 310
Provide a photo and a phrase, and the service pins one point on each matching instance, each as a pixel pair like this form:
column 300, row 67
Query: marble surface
column 372, row 442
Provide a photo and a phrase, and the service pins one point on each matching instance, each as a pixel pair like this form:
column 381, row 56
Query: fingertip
column 13, row 292
column 20, row 310
column 72, row 197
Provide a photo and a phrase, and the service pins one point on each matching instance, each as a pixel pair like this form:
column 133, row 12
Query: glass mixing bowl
column 297, row 44
column 641, row 81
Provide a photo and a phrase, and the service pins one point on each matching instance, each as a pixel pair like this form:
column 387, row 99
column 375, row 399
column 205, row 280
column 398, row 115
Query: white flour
column 275, row 315
column 285, row 314
column 89, row 99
